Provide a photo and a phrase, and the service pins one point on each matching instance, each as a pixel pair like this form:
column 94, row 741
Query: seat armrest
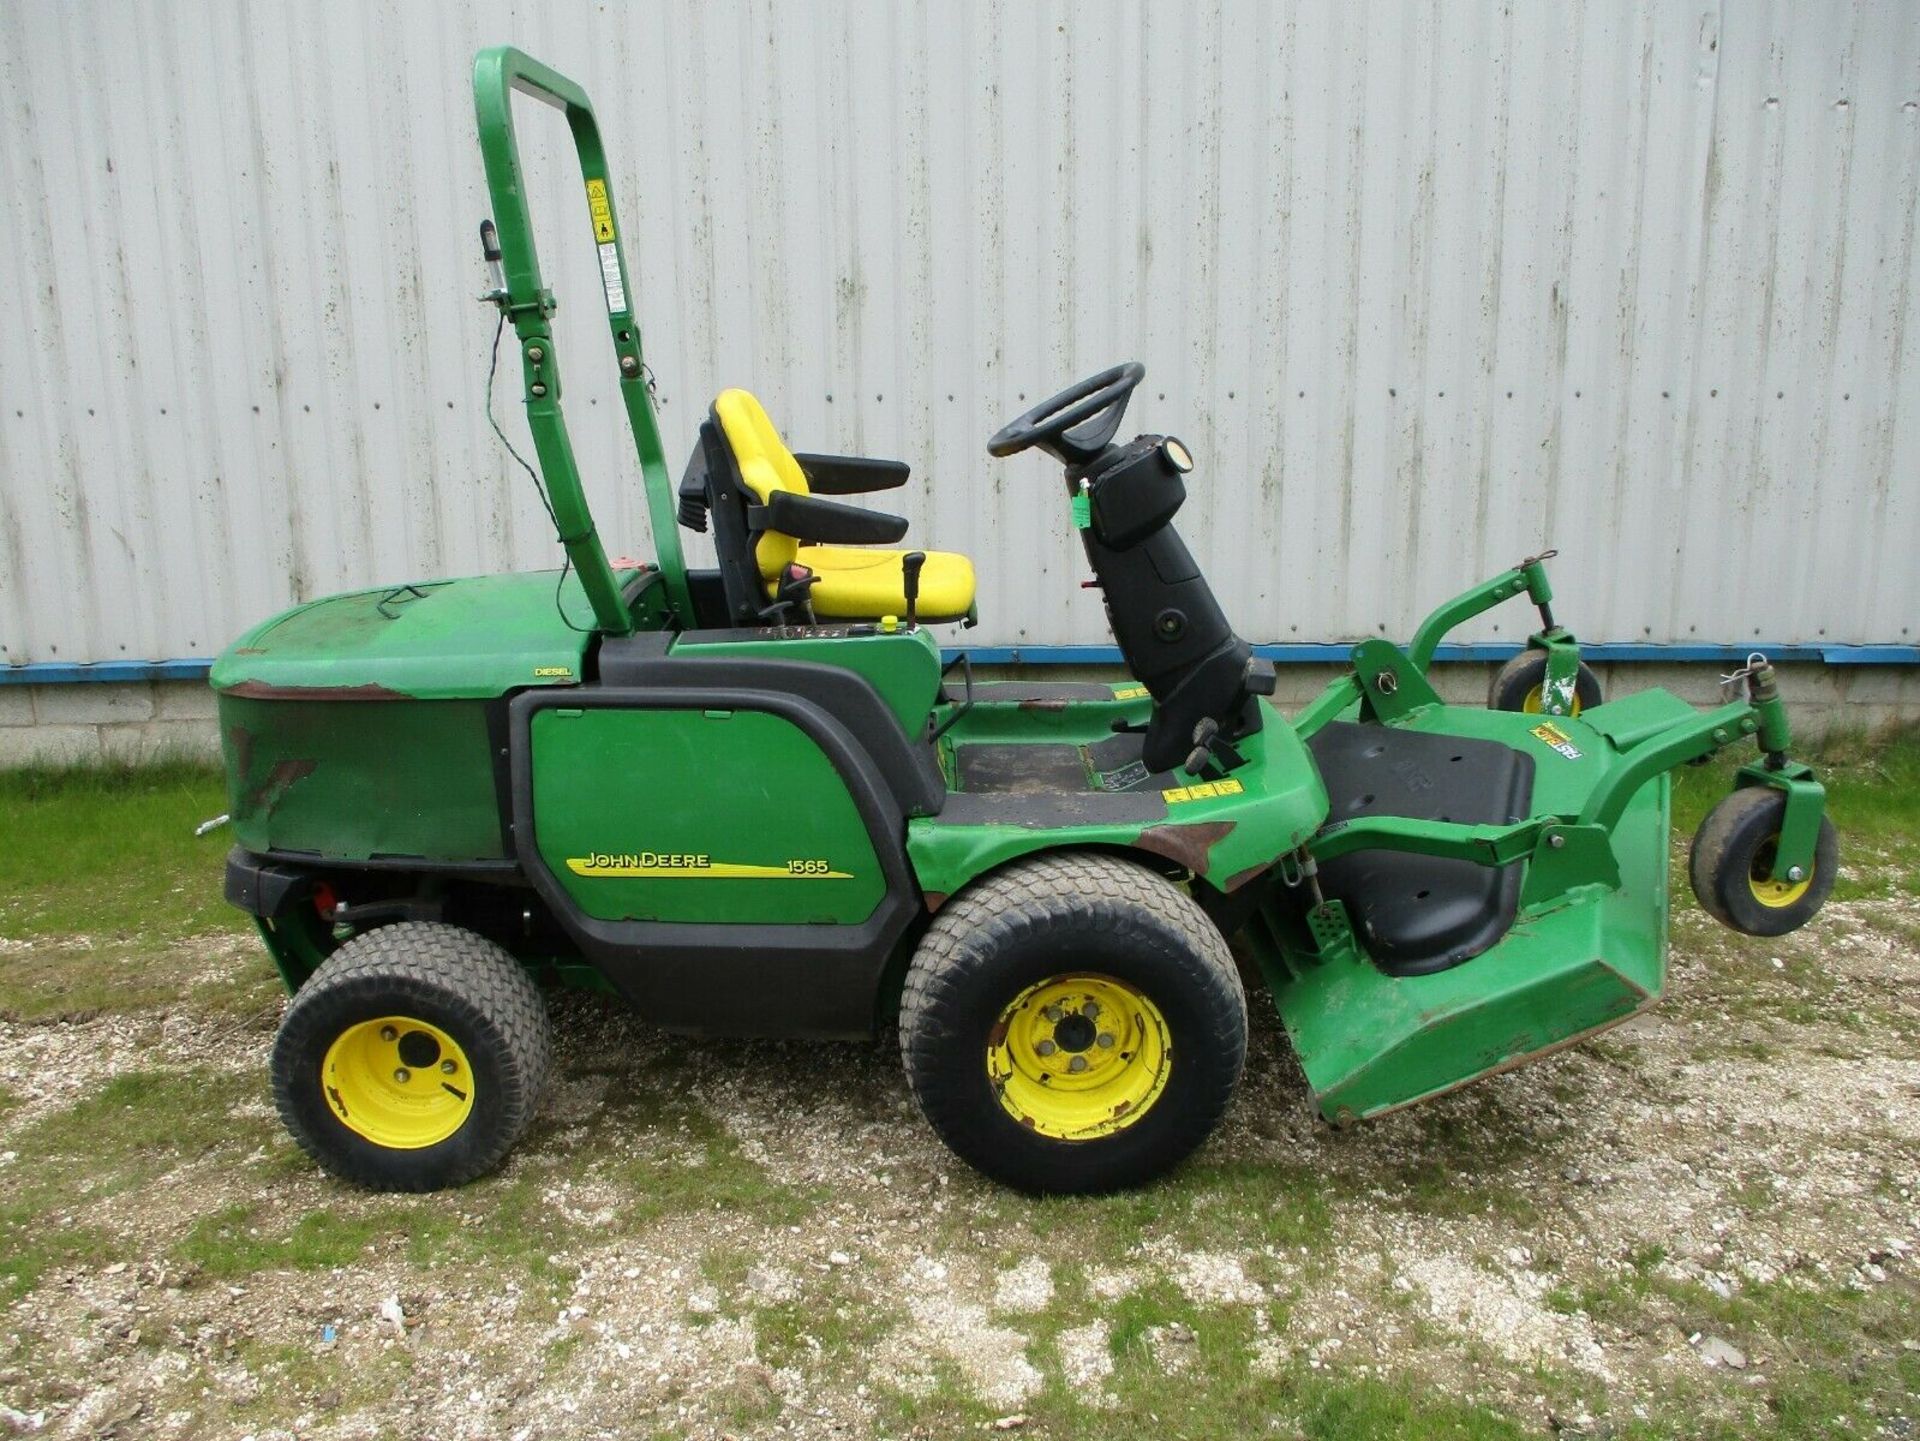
column 806, row 517
column 852, row 474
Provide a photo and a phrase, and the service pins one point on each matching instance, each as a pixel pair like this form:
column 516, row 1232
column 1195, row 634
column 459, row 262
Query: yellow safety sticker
column 1129, row 692
column 552, row 672
column 1558, row 740
column 663, row 865
column 1205, row 791
column 601, row 210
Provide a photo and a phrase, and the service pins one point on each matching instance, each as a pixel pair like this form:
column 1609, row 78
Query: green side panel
column 904, row 667
column 359, row 779
column 432, row 640
column 1370, row 1042
column 1227, row 835
column 677, row 815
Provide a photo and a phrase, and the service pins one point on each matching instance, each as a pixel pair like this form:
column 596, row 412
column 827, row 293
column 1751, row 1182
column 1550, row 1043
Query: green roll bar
column 497, row 73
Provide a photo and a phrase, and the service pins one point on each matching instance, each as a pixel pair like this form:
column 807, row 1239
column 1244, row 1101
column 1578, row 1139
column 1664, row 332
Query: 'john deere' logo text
column 667, row 865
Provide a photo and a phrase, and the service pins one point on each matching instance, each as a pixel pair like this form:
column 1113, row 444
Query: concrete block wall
column 94, row 724
column 112, row 724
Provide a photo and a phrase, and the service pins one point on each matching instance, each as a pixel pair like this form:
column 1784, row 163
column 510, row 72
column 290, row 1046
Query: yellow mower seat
column 855, row 582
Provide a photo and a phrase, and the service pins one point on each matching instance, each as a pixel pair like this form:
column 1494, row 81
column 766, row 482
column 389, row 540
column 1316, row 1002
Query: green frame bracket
column 1392, row 686
column 497, row 74
column 1701, row 736
column 1559, row 686
column 1464, row 607
column 1565, row 859
column 1800, row 824
column 1448, row 840
column 1339, row 696
column 1332, row 934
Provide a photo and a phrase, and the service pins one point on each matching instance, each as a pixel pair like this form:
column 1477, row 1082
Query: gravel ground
column 710, row 1239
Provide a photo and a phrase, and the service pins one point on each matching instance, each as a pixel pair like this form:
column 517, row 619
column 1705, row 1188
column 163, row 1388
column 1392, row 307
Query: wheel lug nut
column 1053, row 1013
column 1077, row 1064
column 403, row 1075
column 1045, row 1048
column 1104, row 1040
column 1091, row 1010
column 447, row 1068
column 389, row 1035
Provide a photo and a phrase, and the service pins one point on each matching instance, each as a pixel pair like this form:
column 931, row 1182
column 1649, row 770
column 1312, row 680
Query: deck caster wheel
column 414, row 1058
column 1073, row 1023
column 1731, row 866
column 1518, row 684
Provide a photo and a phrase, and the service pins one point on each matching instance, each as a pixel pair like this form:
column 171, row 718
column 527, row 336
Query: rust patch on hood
column 1190, row 844
column 263, row 798
column 260, row 690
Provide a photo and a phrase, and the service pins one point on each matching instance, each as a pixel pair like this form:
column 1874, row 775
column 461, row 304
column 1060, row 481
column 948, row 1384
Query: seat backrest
column 765, row 466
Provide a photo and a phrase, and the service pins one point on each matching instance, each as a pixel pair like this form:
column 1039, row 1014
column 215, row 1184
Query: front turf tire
column 1518, row 685
column 1731, row 864
column 414, row 1058
column 1048, row 934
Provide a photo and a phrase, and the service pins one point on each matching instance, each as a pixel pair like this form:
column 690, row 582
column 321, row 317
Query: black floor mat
column 1011, row 768
column 1021, row 769
column 1417, row 914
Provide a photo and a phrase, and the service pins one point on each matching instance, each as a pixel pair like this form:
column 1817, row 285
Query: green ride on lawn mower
column 753, row 801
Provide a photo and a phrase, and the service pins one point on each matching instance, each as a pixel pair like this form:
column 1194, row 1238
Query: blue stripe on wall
column 64, row 673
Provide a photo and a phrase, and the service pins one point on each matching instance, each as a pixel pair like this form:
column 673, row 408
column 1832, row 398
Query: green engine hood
column 433, row 640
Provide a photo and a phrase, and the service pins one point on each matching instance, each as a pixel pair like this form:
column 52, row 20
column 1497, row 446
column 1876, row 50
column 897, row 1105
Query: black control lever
column 794, row 593
column 1210, row 747
column 911, row 565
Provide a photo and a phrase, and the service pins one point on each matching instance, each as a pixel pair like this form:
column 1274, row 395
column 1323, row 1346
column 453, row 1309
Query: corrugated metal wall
column 1424, row 287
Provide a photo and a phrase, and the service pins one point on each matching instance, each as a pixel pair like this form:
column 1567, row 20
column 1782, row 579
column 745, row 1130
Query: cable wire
column 539, row 488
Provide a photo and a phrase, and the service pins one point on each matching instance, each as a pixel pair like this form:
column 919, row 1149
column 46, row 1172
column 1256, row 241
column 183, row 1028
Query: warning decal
column 610, row 277
column 602, row 210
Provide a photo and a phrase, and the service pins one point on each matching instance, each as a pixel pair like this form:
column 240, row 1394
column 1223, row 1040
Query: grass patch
column 112, row 853
column 129, row 1133
column 230, row 1243
column 670, row 1157
column 123, row 904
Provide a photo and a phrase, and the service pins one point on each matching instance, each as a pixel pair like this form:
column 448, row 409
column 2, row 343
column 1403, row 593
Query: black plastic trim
column 257, row 886
column 714, row 978
column 807, row 517
column 909, row 766
column 851, row 474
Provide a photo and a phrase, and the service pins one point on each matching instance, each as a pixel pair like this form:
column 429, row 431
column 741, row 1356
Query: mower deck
column 1572, row 961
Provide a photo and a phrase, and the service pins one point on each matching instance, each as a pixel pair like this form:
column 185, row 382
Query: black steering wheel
column 1075, row 425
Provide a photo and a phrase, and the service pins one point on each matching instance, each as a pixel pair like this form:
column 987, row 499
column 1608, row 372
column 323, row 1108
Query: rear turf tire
column 1731, row 862
column 414, row 1058
column 1517, row 685
column 1069, row 926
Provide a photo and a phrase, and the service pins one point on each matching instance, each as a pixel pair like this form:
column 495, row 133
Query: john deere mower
column 753, row 800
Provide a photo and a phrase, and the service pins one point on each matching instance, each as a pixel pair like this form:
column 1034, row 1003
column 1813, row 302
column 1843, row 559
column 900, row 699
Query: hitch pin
column 1756, row 672
column 1299, row 867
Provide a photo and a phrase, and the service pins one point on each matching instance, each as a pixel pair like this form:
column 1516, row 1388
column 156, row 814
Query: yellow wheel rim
column 1534, row 705
column 398, row 1082
column 1078, row 1057
column 1777, row 895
